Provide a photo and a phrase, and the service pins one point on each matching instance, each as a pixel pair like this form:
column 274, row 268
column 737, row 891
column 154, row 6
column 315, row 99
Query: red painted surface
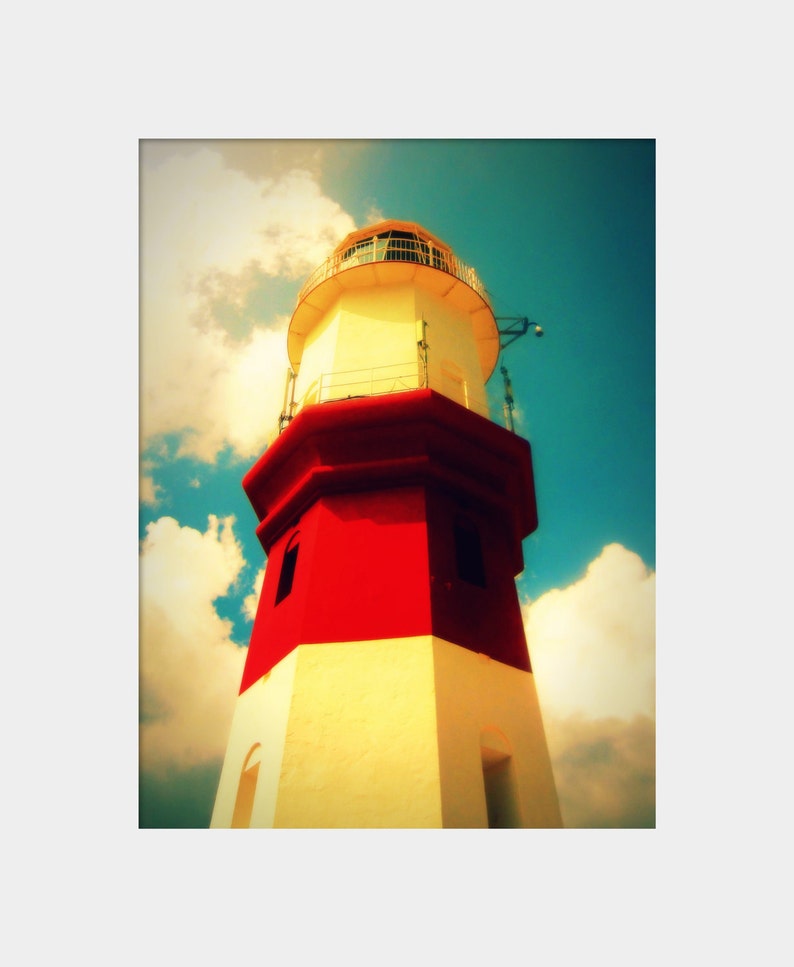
column 484, row 619
column 361, row 573
column 373, row 488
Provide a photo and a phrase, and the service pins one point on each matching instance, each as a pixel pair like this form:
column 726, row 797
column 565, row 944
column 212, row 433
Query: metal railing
column 389, row 249
column 379, row 381
column 375, row 381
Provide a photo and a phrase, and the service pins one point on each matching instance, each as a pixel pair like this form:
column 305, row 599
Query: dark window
column 287, row 575
column 468, row 553
column 396, row 246
column 500, row 795
column 363, row 250
column 406, row 247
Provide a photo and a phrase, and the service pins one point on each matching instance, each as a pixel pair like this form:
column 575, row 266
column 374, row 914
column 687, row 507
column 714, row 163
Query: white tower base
column 395, row 733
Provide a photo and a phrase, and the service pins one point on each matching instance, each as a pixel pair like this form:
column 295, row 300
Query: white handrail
column 386, row 249
column 381, row 381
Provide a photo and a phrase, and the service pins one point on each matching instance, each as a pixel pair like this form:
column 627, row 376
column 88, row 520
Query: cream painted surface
column 366, row 341
column 452, row 347
column 484, row 709
column 361, row 746
column 260, row 716
column 376, row 351
column 392, row 733
column 318, row 357
column 364, row 346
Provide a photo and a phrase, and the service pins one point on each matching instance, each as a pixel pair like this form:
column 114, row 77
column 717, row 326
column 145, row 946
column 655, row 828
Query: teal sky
column 560, row 231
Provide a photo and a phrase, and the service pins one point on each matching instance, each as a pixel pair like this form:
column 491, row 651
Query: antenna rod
column 509, row 401
column 289, row 401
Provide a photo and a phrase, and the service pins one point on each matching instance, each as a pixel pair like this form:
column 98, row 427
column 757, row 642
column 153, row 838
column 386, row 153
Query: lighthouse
column 388, row 681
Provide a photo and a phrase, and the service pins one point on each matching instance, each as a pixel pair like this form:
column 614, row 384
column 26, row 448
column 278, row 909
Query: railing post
column 423, row 347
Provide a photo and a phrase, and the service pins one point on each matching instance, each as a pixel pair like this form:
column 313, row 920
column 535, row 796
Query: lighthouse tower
column 388, row 681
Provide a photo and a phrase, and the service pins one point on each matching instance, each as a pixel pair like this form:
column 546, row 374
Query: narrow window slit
column 287, row 575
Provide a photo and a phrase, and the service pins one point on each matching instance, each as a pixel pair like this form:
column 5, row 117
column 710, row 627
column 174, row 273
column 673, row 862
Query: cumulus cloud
column 593, row 644
column 593, row 648
column 251, row 601
column 210, row 238
column 374, row 215
column 149, row 491
column 605, row 771
column 190, row 669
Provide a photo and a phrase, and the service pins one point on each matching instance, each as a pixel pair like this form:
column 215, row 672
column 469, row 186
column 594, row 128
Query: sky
column 560, row 231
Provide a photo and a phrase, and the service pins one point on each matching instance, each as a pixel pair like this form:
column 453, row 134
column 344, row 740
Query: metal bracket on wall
column 520, row 326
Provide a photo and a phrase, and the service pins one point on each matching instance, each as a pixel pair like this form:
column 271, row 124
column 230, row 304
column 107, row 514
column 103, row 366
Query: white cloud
column 604, row 770
column 251, row 601
column 211, row 233
column 149, row 491
column 249, row 393
column 190, row 669
column 593, row 647
column 593, row 644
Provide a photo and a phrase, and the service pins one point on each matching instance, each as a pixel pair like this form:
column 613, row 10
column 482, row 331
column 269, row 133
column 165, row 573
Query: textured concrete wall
column 392, row 733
